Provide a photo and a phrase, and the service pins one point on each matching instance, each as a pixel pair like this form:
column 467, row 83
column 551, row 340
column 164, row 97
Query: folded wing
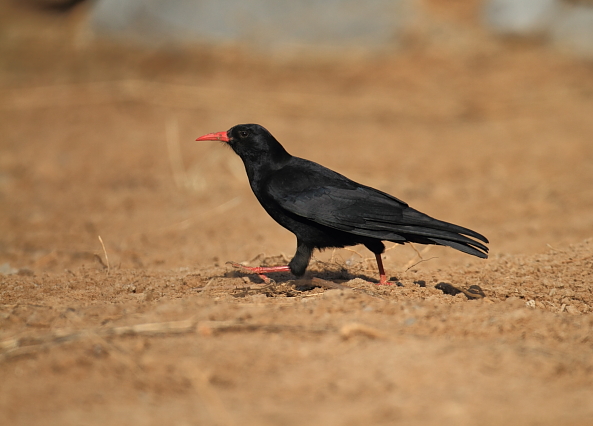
column 330, row 199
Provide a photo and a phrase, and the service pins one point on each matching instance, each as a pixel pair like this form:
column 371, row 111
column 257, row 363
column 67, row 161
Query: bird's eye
column 243, row 134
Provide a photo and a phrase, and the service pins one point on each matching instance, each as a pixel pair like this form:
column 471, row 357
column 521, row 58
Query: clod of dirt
column 473, row 292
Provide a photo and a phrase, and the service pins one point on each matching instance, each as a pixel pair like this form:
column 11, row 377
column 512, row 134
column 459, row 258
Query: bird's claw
column 252, row 269
column 235, row 264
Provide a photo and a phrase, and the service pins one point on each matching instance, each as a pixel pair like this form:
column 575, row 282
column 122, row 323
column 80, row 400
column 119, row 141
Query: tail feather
column 445, row 237
column 424, row 229
column 446, row 234
column 414, row 217
column 423, row 235
column 465, row 248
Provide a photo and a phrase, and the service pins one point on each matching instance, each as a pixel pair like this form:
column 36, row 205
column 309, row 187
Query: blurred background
column 477, row 112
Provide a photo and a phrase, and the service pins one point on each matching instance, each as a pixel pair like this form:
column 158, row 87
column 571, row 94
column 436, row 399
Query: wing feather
column 332, row 200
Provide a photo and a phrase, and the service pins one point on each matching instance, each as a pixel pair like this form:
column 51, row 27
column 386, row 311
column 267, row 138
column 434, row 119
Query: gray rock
column 573, row 30
column 263, row 23
column 520, row 17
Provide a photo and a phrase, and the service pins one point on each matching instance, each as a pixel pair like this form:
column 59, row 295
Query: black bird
column 326, row 209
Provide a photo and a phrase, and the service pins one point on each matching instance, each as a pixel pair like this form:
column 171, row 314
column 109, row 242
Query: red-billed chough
column 326, row 209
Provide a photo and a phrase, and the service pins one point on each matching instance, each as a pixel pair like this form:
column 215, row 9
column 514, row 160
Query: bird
column 325, row 209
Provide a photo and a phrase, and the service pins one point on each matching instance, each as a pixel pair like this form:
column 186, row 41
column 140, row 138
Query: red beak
column 220, row 136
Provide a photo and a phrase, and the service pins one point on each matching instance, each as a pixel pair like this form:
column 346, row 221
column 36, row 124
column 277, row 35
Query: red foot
column 261, row 270
column 383, row 280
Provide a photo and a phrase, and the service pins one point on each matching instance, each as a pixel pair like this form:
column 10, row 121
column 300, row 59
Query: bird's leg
column 383, row 278
column 261, row 270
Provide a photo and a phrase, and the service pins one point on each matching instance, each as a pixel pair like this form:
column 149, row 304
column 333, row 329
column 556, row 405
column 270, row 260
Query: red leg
column 383, row 277
column 261, row 270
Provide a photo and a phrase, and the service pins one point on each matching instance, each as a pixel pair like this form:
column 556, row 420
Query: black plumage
column 325, row 209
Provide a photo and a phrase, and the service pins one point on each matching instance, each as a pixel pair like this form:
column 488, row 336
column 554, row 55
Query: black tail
column 427, row 230
column 480, row 251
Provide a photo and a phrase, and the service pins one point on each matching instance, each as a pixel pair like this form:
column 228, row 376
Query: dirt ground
column 148, row 325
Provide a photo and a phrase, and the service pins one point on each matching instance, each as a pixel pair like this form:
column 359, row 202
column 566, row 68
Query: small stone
column 474, row 292
column 447, row 288
column 572, row 310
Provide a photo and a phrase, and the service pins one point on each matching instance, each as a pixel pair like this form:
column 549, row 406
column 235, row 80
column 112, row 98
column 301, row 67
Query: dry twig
column 105, row 253
column 32, row 344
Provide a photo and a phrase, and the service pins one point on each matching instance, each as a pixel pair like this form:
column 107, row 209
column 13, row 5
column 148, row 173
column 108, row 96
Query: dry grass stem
column 105, row 254
column 420, row 261
column 413, row 261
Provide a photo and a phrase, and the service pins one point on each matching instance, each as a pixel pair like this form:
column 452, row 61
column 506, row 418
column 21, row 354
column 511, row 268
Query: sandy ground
column 154, row 328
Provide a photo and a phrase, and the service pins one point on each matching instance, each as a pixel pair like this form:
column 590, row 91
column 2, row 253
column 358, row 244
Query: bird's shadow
column 311, row 280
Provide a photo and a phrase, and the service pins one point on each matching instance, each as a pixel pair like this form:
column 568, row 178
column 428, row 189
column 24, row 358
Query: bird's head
column 251, row 142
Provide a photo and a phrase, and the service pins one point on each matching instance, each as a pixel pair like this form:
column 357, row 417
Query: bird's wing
column 330, row 199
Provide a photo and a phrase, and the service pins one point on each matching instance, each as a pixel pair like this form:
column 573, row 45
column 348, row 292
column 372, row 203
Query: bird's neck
column 261, row 169
column 258, row 172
